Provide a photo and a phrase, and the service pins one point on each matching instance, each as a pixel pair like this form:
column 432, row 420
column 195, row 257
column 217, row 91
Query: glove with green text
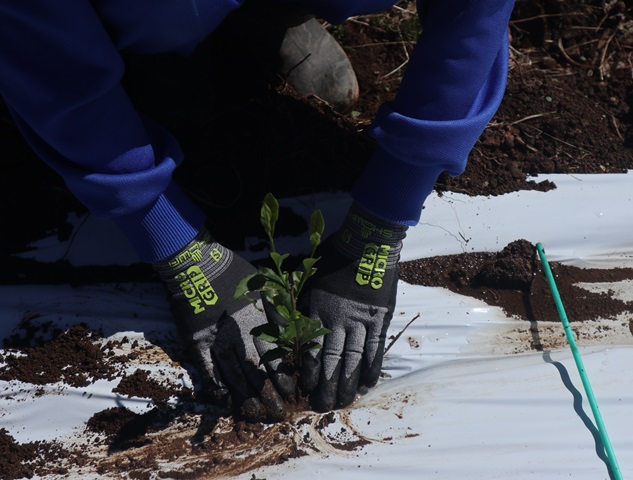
column 353, row 294
column 200, row 281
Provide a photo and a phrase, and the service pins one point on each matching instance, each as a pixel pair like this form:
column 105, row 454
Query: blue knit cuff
column 164, row 228
column 394, row 189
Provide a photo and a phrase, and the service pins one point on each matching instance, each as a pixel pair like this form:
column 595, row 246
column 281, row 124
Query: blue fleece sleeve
column 61, row 72
column 453, row 85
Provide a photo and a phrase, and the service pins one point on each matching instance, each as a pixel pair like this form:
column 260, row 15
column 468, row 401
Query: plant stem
column 293, row 296
column 400, row 334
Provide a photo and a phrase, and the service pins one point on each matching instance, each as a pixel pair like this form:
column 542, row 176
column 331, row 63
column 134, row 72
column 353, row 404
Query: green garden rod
column 579, row 364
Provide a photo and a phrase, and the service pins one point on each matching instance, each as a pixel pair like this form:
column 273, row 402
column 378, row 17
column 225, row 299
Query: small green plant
column 293, row 332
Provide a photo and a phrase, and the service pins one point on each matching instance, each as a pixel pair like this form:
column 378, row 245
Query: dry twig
column 520, row 120
column 545, row 15
column 568, row 58
column 557, row 139
column 602, row 67
column 395, row 339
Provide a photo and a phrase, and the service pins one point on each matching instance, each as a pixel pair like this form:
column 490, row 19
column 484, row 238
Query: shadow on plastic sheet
column 576, row 395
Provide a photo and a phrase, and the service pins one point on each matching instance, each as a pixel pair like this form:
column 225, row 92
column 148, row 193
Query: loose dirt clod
column 70, row 357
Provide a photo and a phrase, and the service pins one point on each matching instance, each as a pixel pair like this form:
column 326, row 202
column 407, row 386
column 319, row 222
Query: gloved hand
column 353, row 293
column 200, row 281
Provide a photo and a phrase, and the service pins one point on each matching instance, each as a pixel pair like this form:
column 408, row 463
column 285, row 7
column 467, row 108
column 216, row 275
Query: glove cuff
column 202, row 254
column 365, row 234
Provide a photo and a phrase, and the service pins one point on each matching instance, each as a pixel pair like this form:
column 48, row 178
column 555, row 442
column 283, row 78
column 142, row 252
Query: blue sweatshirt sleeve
column 61, row 72
column 453, row 85
column 60, row 77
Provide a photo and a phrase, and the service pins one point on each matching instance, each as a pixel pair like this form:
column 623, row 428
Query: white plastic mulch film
column 458, row 399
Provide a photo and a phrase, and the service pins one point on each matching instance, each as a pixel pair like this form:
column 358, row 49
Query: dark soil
column 24, row 460
column 568, row 109
column 67, row 358
column 513, row 279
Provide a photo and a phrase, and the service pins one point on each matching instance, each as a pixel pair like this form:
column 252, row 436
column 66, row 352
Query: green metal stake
column 579, row 364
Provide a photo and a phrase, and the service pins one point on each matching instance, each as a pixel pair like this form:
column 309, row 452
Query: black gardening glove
column 353, row 294
column 201, row 280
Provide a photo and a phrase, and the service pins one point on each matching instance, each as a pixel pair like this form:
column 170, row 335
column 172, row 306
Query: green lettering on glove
column 200, row 281
column 353, row 294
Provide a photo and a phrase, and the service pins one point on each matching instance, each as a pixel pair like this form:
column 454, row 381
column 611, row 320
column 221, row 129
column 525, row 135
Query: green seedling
column 293, row 332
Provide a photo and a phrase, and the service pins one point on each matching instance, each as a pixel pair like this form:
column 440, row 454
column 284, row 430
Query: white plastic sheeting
column 463, row 395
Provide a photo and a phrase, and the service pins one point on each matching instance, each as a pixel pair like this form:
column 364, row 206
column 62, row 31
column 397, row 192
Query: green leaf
column 273, row 280
column 310, row 323
column 249, row 283
column 309, row 270
column 274, row 354
column 315, row 334
column 284, row 311
column 296, row 278
column 317, row 225
column 256, row 281
column 268, row 332
column 289, row 332
column 310, row 329
column 282, row 298
column 310, row 346
column 241, row 289
column 269, row 214
column 278, row 259
column 308, row 265
column 269, row 295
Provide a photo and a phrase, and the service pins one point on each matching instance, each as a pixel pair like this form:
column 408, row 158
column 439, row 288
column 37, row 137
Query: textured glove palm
column 200, row 281
column 353, row 294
